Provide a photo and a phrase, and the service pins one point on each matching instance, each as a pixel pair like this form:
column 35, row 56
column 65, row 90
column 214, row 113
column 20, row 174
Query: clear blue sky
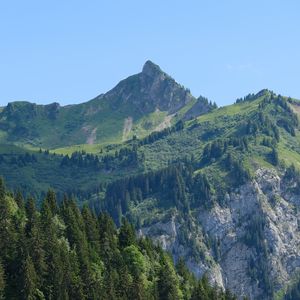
column 70, row 51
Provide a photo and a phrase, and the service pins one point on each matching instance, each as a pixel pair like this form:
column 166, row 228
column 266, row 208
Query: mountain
column 232, row 207
column 219, row 188
column 142, row 103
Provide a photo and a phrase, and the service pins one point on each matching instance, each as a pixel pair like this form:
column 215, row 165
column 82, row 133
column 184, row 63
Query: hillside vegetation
column 60, row 252
column 262, row 130
column 218, row 187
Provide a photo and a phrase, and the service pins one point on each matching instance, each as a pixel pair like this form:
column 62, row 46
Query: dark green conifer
column 29, row 280
column 168, row 283
column 126, row 234
column 2, row 282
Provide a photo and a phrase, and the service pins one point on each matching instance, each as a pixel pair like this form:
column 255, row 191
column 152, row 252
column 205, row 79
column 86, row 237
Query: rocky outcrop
column 233, row 258
column 201, row 107
column 150, row 90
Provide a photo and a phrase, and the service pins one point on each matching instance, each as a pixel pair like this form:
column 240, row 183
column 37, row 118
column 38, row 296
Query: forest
column 62, row 252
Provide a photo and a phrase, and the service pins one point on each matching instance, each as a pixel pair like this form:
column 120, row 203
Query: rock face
column 233, row 258
column 199, row 108
column 150, row 90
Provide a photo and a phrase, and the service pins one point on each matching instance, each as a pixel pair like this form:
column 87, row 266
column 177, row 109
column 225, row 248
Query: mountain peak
column 151, row 69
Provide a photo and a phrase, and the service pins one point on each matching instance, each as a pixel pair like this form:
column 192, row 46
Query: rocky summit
column 138, row 105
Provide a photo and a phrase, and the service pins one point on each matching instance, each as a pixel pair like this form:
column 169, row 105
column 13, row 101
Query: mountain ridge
column 146, row 99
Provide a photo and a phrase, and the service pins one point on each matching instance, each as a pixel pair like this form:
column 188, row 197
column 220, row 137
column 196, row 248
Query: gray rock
column 265, row 196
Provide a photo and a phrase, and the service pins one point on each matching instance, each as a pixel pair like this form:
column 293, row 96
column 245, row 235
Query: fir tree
column 2, row 282
column 29, row 280
column 126, row 234
column 168, row 283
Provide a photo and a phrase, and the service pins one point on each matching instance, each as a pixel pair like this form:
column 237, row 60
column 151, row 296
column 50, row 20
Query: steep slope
column 232, row 208
column 138, row 105
column 220, row 190
column 84, row 257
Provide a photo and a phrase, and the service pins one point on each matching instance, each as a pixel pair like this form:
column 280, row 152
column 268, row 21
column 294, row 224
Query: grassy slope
column 141, row 127
column 222, row 123
column 74, row 124
column 191, row 141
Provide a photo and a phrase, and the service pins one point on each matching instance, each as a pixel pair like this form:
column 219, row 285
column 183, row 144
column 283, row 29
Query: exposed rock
column 127, row 127
column 92, row 137
column 151, row 69
column 150, row 90
column 199, row 108
column 264, row 196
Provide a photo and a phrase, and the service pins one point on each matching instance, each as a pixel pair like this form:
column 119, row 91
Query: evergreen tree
column 126, row 234
column 50, row 200
column 168, row 283
column 2, row 282
column 35, row 241
column 2, row 188
column 19, row 199
column 274, row 157
column 7, row 236
column 29, row 280
column 91, row 226
column 186, row 279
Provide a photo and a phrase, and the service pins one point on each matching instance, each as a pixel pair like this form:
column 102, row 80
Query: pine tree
column 126, row 234
column 125, row 282
column 35, row 241
column 168, row 283
column 2, row 282
column 19, row 199
column 274, row 157
column 2, row 188
column 6, row 228
column 53, row 261
column 29, row 281
column 201, row 291
column 49, row 204
column 31, row 214
column 187, row 280
column 107, row 234
column 91, row 226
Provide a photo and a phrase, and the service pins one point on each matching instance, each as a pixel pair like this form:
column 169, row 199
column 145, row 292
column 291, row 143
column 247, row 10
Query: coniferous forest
column 58, row 251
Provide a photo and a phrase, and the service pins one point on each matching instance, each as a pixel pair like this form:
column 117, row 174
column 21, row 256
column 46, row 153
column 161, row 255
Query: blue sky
column 70, row 51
